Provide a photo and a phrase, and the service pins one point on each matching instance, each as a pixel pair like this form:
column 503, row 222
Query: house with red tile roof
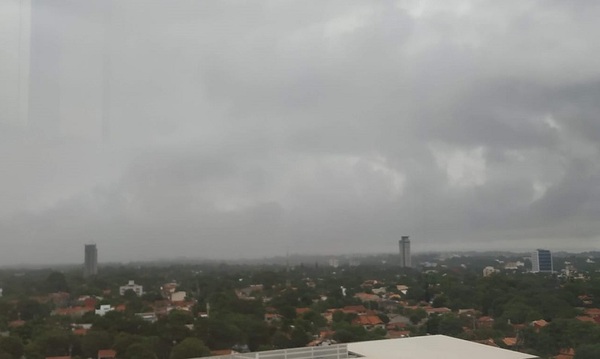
column 356, row 309
column 16, row 323
column 273, row 317
column 80, row 331
column 324, row 334
column 538, row 324
column 300, row 311
column 509, row 341
column 369, row 321
column 107, row 354
column 585, row 318
column 592, row 312
column 221, row 352
column 77, row 311
column 394, row 334
column 488, row 341
column 568, row 353
column 485, row 322
column 366, row 297
column 441, row 310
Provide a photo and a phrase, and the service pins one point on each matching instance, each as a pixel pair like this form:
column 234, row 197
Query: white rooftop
column 428, row 347
column 431, row 347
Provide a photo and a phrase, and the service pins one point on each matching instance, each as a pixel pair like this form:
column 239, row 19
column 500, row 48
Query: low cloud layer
column 243, row 130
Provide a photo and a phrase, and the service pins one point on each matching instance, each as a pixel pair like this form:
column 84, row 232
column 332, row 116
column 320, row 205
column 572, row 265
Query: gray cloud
column 246, row 130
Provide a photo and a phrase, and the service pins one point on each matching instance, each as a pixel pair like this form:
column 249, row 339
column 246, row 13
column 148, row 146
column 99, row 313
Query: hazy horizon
column 225, row 129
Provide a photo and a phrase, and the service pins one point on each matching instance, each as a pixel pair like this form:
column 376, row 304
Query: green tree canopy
column 189, row 348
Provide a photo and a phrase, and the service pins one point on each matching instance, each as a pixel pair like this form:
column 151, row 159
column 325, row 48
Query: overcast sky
column 240, row 129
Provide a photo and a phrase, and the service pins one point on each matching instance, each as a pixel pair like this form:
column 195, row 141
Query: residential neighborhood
column 172, row 310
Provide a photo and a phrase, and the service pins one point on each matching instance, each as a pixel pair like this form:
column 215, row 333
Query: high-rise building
column 405, row 261
column 90, row 266
column 541, row 261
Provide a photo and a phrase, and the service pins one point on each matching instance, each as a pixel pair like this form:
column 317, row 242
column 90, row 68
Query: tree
column 590, row 351
column 281, row 341
column 221, row 334
column 299, row 337
column 56, row 282
column 12, row 346
column 125, row 340
column 31, row 309
column 94, row 341
column 440, row 301
column 54, row 343
column 338, row 316
column 450, row 325
column 139, row 351
column 189, row 348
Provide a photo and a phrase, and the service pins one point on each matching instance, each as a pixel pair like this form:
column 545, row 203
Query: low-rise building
column 107, row 354
column 149, row 317
column 178, row 296
column 488, row 271
column 104, row 308
column 425, row 347
column 136, row 288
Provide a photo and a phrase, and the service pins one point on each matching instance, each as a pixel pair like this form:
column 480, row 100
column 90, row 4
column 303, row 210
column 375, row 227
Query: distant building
column 90, row 266
column 354, row 262
column 104, row 308
column 405, row 261
column 107, row 354
column 541, row 261
column 488, row 271
column 149, row 317
column 138, row 289
column 178, row 296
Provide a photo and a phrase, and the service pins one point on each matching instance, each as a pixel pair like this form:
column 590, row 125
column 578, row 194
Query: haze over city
column 222, row 129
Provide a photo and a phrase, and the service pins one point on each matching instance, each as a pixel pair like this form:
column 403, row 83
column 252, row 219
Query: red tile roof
column 220, row 352
column 354, row 309
column 106, row 353
column 16, row 323
column 566, row 354
column 510, row 341
column 584, row 318
column 393, row 334
column 367, row 320
column 72, row 311
column 300, row 311
column 489, row 342
column 80, row 331
column 592, row 312
column 539, row 323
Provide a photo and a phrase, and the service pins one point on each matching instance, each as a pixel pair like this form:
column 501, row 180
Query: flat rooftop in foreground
column 431, row 347
column 428, row 347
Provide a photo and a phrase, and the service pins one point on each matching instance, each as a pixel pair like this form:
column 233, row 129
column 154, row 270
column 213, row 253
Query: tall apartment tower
column 541, row 261
column 90, row 266
column 405, row 261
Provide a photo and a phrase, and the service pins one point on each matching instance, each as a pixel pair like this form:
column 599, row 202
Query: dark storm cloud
column 244, row 129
